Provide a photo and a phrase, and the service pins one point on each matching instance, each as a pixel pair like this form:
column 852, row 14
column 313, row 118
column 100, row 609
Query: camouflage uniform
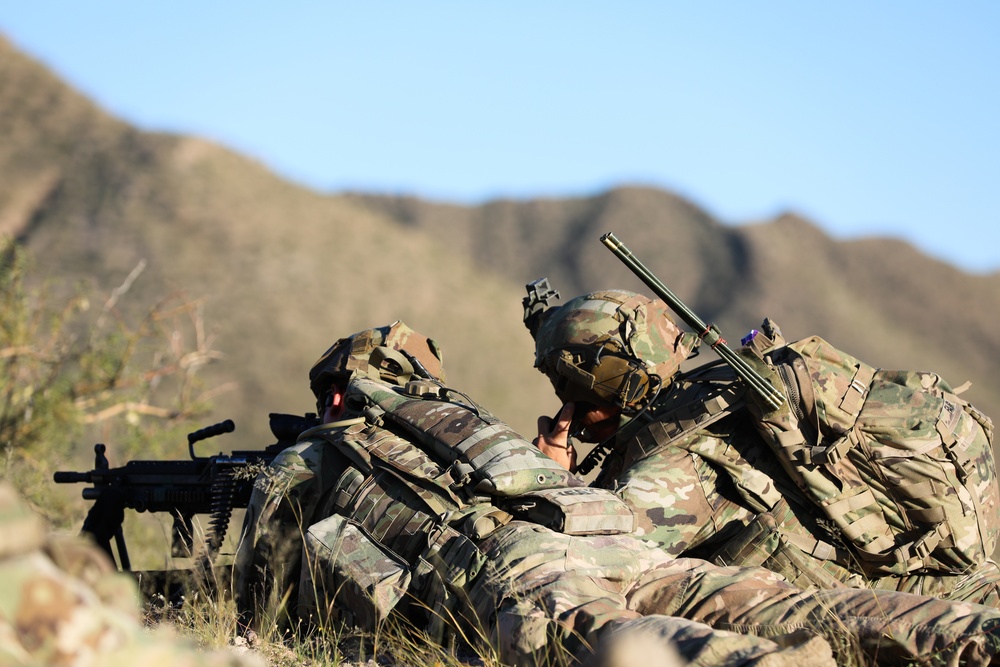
column 419, row 504
column 62, row 603
column 691, row 463
column 719, row 494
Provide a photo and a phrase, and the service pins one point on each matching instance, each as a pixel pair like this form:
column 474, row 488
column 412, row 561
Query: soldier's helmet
column 611, row 347
column 393, row 353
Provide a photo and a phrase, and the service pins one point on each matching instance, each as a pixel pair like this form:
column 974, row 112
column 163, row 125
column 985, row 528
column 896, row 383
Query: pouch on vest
column 346, row 576
column 576, row 511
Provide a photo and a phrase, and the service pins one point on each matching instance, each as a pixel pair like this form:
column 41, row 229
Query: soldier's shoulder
column 63, row 602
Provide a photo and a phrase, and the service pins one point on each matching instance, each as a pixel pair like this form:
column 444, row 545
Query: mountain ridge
column 285, row 270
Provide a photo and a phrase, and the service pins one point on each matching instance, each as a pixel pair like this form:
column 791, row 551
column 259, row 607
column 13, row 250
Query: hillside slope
column 878, row 298
column 285, row 271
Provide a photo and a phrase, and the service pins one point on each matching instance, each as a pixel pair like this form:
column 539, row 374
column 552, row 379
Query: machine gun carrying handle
column 69, row 477
column 227, row 426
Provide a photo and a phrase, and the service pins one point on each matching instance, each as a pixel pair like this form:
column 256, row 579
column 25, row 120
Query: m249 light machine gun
column 213, row 485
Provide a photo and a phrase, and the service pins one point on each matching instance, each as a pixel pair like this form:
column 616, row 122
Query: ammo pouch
column 348, row 577
column 574, row 511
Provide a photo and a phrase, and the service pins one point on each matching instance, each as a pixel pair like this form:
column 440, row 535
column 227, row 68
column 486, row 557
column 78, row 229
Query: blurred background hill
column 284, row 270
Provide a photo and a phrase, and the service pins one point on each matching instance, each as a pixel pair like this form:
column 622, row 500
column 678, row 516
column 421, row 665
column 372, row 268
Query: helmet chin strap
column 596, row 456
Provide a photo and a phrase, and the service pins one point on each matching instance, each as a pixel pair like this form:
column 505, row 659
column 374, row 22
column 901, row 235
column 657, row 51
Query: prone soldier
column 685, row 451
column 412, row 500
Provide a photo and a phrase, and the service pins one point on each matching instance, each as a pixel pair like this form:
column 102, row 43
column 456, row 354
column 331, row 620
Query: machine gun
column 213, row 485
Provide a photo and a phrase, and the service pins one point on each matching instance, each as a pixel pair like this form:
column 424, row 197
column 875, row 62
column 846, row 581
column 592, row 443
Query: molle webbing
column 390, row 518
column 404, row 494
column 682, row 421
column 499, row 461
column 900, row 464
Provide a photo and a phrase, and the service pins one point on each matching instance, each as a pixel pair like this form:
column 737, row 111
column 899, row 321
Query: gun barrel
column 710, row 334
column 71, row 477
column 654, row 283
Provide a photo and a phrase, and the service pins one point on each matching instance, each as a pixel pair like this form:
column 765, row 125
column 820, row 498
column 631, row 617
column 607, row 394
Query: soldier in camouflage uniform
column 685, row 455
column 411, row 501
column 63, row 603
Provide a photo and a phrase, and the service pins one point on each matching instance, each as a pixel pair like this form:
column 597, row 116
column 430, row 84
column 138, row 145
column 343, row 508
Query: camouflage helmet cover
column 357, row 354
column 630, row 326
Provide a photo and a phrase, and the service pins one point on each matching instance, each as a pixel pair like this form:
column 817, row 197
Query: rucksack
column 900, row 466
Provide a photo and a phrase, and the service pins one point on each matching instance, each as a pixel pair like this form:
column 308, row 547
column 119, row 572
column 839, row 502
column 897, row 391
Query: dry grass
column 209, row 617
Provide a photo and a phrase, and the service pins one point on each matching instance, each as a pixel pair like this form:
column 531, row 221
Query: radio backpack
column 901, row 467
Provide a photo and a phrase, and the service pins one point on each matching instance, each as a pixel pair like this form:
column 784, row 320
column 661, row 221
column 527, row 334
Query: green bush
column 73, row 369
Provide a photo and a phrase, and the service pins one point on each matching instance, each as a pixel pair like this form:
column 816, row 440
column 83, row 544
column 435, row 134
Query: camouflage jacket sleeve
column 676, row 498
column 689, row 489
column 282, row 506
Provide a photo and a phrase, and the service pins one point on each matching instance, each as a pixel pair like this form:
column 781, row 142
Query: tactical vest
column 427, row 474
column 901, row 468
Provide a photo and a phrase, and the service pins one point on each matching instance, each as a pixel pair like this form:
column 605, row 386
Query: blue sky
column 869, row 118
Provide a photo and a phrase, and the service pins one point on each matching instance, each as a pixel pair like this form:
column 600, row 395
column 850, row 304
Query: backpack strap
column 857, row 391
column 668, row 428
column 816, row 548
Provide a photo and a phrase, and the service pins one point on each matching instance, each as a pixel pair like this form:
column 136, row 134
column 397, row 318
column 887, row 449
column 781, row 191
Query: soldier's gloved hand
column 553, row 437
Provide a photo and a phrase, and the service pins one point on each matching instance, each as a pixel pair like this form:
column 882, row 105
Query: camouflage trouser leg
column 981, row 586
column 548, row 592
column 889, row 627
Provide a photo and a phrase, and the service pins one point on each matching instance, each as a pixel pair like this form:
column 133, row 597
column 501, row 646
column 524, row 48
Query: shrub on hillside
column 73, row 366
